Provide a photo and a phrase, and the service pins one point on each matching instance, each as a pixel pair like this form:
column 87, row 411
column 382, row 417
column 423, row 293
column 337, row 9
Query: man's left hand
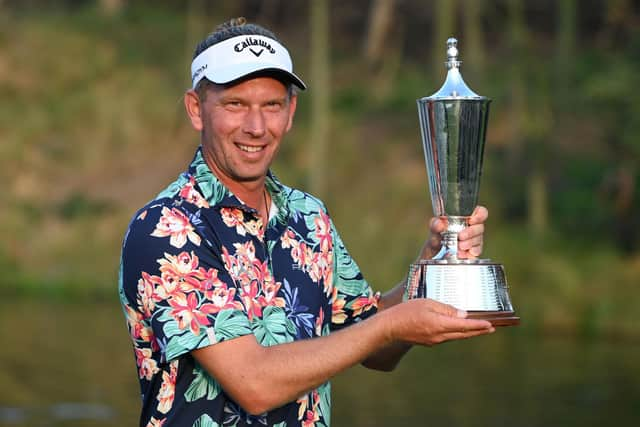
column 470, row 240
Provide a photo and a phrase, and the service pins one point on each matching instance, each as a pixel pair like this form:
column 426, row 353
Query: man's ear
column 293, row 103
column 194, row 108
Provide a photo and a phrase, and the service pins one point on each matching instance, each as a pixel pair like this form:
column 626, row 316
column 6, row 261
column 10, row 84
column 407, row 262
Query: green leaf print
column 325, row 402
column 282, row 424
column 205, row 421
column 178, row 345
column 201, row 386
column 303, row 203
column 231, row 324
column 170, row 328
column 273, row 328
column 173, row 188
column 212, row 189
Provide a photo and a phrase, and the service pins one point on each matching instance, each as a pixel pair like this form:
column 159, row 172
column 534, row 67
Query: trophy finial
column 452, row 53
column 454, row 86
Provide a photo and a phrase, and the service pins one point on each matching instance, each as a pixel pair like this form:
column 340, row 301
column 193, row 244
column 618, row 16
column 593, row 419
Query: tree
column 383, row 47
column 320, row 70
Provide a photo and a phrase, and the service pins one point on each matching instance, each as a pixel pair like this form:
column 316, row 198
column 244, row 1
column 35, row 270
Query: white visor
column 240, row 56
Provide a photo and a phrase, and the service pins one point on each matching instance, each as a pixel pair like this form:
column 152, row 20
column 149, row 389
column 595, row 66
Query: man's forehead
column 251, row 85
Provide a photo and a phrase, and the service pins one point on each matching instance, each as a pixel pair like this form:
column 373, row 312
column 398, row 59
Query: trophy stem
column 449, row 250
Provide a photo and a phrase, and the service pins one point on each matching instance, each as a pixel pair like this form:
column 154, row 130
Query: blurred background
column 92, row 126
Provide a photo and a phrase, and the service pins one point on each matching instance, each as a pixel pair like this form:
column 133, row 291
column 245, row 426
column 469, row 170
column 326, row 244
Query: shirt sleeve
column 353, row 299
column 174, row 282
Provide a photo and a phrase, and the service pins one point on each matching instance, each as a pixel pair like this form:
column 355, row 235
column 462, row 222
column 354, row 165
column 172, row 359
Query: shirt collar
column 217, row 195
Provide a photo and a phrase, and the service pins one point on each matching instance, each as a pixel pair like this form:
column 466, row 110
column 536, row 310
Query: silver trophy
column 453, row 122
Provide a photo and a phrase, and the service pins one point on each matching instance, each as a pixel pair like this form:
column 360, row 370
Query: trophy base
column 477, row 286
column 496, row 318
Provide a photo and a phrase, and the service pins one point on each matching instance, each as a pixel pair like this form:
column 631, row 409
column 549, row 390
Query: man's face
column 242, row 127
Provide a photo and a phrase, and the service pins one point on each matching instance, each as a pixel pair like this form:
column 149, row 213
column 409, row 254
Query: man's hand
column 470, row 240
column 427, row 322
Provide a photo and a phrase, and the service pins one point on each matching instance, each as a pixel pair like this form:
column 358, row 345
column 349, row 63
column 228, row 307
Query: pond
column 72, row 365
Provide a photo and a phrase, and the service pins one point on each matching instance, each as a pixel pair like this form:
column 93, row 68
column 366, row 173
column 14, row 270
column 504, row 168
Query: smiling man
column 240, row 297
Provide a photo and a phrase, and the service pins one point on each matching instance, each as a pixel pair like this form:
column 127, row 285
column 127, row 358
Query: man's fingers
column 457, row 325
column 476, row 230
column 444, row 309
column 469, row 334
column 479, row 215
column 467, row 244
column 437, row 225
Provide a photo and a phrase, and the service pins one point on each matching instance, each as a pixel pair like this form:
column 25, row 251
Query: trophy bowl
column 453, row 124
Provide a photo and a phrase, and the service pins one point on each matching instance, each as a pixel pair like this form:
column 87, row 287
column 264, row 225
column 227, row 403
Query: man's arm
column 262, row 378
column 469, row 246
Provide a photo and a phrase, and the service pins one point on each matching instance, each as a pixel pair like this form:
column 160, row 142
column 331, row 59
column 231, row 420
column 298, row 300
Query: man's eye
column 234, row 105
column 274, row 104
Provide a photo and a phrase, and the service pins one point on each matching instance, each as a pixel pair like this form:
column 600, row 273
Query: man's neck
column 250, row 192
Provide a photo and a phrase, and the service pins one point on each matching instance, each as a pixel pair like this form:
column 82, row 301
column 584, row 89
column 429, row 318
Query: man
column 240, row 297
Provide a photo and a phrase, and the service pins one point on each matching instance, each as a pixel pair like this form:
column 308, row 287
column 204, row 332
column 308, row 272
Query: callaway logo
column 198, row 72
column 249, row 42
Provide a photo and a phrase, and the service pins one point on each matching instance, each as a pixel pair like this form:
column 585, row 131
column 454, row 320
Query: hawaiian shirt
column 198, row 268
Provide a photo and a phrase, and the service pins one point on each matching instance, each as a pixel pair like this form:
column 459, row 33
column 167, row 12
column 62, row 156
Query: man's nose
column 254, row 123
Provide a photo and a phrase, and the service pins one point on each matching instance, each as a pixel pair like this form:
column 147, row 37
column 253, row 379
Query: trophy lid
column 454, row 86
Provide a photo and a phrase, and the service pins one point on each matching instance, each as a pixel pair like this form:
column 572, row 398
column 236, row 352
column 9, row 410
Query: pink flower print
column 191, row 195
column 222, row 298
column 323, row 232
column 246, row 252
column 314, row 268
column 249, row 296
column 230, row 262
column 134, row 321
column 180, row 272
column 338, row 315
column 255, row 228
column 310, row 419
column 363, row 304
column 175, row 224
column 147, row 366
column 288, row 239
column 167, row 390
column 270, row 290
column 147, row 295
column 326, row 261
column 153, row 422
column 309, row 415
column 216, row 291
column 234, row 217
column 319, row 322
column 209, row 278
column 187, row 312
column 299, row 254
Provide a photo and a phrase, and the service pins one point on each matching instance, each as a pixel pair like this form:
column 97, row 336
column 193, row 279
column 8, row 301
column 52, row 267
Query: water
column 72, row 365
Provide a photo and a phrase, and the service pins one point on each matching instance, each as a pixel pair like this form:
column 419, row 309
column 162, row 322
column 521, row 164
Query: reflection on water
column 68, row 365
column 62, row 412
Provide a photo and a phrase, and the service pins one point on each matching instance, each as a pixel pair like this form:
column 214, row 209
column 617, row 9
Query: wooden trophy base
column 497, row 318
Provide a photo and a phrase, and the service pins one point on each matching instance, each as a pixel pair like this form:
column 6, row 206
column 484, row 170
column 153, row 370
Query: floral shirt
column 198, row 268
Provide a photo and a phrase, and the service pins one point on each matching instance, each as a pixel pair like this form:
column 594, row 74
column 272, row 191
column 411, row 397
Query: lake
column 72, row 365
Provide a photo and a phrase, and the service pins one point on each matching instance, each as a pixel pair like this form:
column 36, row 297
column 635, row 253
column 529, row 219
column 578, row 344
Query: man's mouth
column 249, row 148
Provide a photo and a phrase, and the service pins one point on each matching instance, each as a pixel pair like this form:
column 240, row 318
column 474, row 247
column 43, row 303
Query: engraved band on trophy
column 453, row 123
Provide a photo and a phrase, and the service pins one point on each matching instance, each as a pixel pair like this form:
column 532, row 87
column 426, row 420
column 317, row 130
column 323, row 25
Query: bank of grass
column 104, row 132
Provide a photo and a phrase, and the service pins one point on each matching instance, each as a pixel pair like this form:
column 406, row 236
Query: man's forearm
column 295, row 367
column 261, row 378
column 386, row 358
